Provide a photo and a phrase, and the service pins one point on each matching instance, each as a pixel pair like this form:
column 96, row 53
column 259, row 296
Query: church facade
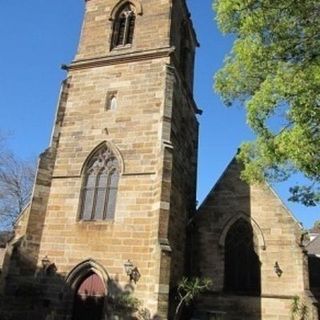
column 113, row 209
column 249, row 243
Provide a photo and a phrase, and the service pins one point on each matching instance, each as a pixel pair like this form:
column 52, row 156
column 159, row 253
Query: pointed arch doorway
column 89, row 298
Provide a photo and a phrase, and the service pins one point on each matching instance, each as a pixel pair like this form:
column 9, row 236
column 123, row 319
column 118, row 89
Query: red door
column 89, row 299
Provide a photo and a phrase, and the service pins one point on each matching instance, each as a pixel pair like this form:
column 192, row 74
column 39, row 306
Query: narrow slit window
column 111, row 101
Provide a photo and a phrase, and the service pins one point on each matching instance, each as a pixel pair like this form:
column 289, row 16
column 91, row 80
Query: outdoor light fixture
column 277, row 269
column 45, row 263
column 132, row 271
column 48, row 267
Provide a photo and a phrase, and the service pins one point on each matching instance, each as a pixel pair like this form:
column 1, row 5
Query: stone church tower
column 116, row 187
column 115, row 193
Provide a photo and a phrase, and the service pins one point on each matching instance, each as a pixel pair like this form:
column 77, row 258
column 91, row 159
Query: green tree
column 273, row 69
column 188, row 290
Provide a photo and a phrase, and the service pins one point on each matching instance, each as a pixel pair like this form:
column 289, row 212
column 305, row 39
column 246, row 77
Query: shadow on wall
column 48, row 295
column 227, row 246
column 314, row 276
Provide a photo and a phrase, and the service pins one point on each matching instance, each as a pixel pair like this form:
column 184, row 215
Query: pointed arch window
column 100, row 186
column 124, row 25
column 242, row 264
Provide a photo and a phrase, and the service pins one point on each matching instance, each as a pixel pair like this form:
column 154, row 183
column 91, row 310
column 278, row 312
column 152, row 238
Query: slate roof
column 313, row 247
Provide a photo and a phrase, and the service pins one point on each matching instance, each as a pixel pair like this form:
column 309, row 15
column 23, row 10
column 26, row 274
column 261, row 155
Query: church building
column 113, row 225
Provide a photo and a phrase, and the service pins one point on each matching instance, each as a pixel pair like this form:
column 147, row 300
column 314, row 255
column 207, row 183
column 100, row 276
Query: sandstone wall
column 278, row 240
column 132, row 129
column 151, row 32
column 153, row 133
column 2, row 254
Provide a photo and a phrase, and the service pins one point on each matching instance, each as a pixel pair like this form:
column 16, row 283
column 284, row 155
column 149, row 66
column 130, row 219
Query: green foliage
column 274, row 70
column 123, row 304
column 27, row 295
column 144, row 314
column 305, row 194
column 299, row 310
column 29, row 289
column 190, row 289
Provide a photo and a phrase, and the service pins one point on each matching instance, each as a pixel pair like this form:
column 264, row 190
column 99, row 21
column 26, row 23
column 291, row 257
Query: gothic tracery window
column 124, row 24
column 242, row 264
column 99, row 191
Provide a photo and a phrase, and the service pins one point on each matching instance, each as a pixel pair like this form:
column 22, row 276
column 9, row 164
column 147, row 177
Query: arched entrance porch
column 87, row 299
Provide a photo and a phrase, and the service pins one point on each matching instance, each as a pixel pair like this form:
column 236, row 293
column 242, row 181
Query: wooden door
column 89, row 299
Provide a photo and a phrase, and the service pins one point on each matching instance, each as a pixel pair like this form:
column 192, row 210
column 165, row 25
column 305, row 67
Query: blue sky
column 38, row 36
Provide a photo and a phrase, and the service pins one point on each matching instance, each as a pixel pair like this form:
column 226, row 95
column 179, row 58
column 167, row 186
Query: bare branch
column 16, row 180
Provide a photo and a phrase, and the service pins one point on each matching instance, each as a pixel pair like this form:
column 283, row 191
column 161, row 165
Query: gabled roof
column 230, row 183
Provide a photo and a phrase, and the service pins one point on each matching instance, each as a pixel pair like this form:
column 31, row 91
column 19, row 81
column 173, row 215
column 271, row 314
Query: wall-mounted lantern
column 132, row 271
column 48, row 267
column 45, row 263
column 277, row 269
